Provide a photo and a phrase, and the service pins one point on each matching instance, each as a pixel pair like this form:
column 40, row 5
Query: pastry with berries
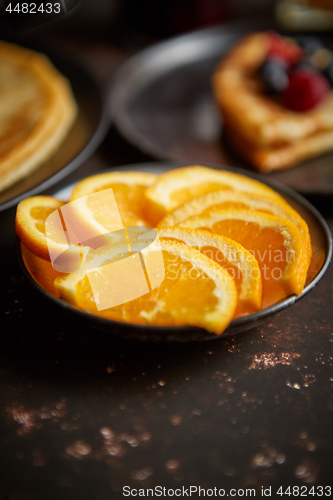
column 275, row 96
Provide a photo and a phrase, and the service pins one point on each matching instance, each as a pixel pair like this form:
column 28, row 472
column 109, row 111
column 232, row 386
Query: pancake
column 268, row 159
column 269, row 135
column 37, row 111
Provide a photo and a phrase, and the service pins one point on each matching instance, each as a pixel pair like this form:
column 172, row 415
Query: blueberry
column 274, row 77
column 309, row 43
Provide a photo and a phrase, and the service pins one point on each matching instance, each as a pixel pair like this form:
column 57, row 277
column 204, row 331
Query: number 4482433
column 32, row 8
column 304, row 491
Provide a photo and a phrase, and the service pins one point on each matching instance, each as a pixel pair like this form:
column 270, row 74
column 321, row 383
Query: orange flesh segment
column 40, row 214
column 243, row 307
column 233, row 200
column 130, row 201
column 267, row 247
column 239, row 205
column 195, row 292
column 31, row 215
column 215, row 254
column 173, row 291
column 186, row 194
column 41, row 270
column 175, row 187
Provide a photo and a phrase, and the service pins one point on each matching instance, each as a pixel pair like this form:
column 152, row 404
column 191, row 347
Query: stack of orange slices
column 245, row 245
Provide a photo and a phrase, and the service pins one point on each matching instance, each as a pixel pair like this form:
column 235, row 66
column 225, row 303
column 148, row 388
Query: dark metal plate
column 162, row 102
column 322, row 249
column 82, row 140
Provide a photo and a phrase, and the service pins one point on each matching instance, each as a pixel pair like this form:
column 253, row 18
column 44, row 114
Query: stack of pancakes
column 262, row 130
column 37, row 111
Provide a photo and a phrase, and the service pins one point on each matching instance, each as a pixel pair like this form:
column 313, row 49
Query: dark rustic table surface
column 84, row 414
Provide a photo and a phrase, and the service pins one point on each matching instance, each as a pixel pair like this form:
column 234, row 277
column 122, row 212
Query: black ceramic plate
column 162, row 102
column 84, row 137
column 322, row 249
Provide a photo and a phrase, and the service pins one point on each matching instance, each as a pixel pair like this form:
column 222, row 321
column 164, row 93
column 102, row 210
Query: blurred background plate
column 162, row 103
column 321, row 255
column 84, row 137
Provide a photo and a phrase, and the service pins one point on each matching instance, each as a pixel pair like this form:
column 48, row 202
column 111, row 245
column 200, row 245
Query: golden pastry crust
column 269, row 135
column 37, row 111
column 284, row 156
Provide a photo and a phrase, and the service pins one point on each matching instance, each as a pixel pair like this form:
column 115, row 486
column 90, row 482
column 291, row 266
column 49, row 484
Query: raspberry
column 306, row 89
column 281, row 47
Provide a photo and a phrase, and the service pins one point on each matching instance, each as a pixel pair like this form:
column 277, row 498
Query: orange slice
column 238, row 261
column 275, row 243
column 223, row 199
column 180, row 185
column 195, row 291
column 128, row 188
column 41, row 270
column 31, row 216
